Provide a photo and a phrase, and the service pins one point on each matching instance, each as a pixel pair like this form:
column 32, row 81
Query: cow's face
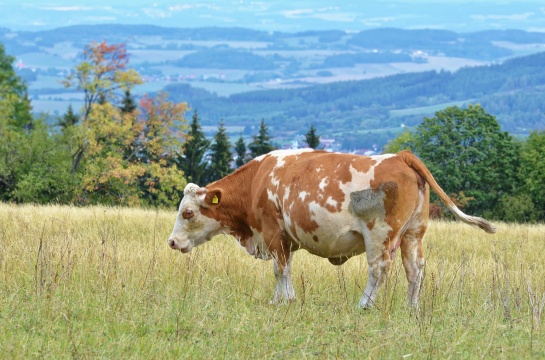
column 192, row 227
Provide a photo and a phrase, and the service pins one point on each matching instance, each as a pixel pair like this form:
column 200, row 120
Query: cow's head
column 195, row 223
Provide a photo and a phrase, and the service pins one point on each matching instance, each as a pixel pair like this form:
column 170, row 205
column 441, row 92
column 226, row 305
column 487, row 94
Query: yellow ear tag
column 215, row 199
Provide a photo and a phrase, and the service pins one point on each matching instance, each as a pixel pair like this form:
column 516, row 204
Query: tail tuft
column 482, row 224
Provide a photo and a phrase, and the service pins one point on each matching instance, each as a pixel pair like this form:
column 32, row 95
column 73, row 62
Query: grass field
column 102, row 283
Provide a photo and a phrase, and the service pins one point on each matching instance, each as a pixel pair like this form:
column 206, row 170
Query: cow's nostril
column 171, row 243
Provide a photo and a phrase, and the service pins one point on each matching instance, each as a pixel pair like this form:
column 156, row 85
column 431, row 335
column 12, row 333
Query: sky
column 276, row 15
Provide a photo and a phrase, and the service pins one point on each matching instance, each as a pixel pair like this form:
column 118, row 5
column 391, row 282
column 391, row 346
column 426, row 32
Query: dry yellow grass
column 101, row 282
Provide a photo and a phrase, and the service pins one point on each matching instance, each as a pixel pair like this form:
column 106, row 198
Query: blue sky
column 298, row 15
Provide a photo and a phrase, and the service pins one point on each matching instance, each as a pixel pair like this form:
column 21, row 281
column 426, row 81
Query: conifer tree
column 69, row 119
column 128, row 104
column 192, row 161
column 240, row 151
column 313, row 140
column 262, row 142
column 220, row 156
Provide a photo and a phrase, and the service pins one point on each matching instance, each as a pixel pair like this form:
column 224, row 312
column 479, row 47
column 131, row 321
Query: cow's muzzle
column 176, row 246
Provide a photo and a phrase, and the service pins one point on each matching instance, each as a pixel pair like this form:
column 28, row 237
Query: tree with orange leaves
column 130, row 157
column 102, row 72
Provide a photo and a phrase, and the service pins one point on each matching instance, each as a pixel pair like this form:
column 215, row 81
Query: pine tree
column 192, row 161
column 220, row 157
column 262, row 142
column 128, row 103
column 240, row 151
column 313, row 140
column 69, row 119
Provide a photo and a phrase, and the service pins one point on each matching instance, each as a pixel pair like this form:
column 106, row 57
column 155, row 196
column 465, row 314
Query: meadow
column 101, row 282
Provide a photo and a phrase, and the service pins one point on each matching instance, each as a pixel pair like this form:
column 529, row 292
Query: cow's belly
column 336, row 237
column 344, row 244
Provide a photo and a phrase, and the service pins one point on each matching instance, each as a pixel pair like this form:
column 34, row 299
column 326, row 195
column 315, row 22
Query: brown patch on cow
column 401, row 186
column 371, row 224
column 363, row 164
column 315, row 238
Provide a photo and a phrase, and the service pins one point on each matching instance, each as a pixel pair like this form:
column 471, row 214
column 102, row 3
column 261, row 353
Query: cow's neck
column 235, row 202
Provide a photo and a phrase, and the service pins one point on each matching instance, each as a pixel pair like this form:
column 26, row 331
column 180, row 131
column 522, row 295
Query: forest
column 118, row 150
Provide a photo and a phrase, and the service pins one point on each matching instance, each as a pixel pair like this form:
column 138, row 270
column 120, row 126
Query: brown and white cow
column 333, row 205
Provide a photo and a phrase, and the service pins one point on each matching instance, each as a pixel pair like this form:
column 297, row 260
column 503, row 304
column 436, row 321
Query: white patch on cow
column 280, row 155
column 303, row 195
column 260, row 157
column 272, row 197
column 331, row 201
column 323, row 183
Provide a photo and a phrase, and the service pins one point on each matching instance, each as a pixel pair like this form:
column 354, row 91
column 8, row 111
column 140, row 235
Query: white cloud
column 378, row 21
column 66, row 8
column 324, row 13
column 184, row 7
column 297, row 13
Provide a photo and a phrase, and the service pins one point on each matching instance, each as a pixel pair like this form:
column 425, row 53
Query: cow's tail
column 420, row 168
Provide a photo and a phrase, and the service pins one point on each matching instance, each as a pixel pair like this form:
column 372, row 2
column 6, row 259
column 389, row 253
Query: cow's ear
column 213, row 197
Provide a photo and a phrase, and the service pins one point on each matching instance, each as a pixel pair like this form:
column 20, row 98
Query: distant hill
column 367, row 112
column 360, row 88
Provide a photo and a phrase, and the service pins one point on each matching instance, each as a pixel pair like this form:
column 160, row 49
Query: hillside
column 356, row 87
column 367, row 112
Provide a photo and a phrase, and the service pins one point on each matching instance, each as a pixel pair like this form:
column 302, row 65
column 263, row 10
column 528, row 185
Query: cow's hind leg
column 413, row 260
column 282, row 271
column 378, row 259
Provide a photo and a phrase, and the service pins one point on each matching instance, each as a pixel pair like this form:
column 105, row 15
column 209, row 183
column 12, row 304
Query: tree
column 469, row 156
column 130, row 157
column 34, row 166
column 15, row 108
column 69, row 119
column 127, row 103
column 533, row 170
column 240, row 151
column 262, row 142
column 220, row 155
column 192, row 161
column 399, row 143
column 313, row 140
column 101, row 73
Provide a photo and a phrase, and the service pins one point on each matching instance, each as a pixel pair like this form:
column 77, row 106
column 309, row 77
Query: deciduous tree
column 15, row 108
column 130, row 158
column 469, row 156
column 101, row 73
column 533, row 170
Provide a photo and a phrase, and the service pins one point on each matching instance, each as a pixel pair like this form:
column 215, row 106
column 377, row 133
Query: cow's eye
column 188, row 214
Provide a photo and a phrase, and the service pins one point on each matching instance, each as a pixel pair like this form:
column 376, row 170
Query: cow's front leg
column 282, row 271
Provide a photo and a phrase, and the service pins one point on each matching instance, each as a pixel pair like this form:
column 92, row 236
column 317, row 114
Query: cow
column 333, row 205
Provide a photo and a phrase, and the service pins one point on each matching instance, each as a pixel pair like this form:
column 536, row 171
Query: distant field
column 427, row 109
column 102, row 283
